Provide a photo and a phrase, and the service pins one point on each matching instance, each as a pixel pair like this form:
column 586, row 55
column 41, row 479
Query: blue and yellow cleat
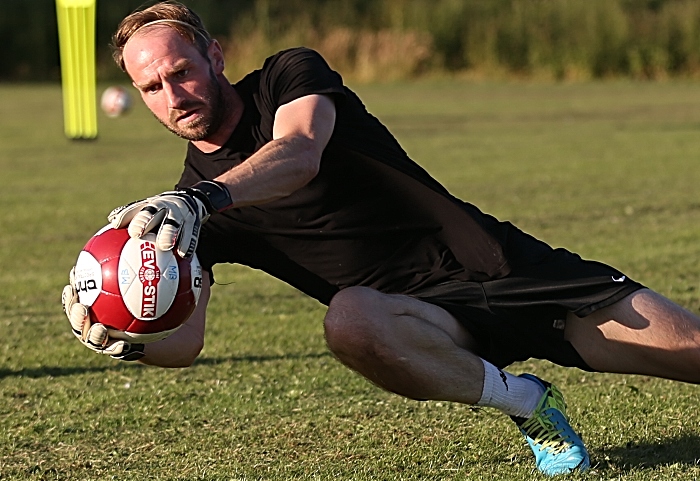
column 557, row 448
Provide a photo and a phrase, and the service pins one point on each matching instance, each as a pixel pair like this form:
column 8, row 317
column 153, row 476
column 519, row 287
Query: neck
column 234, row 110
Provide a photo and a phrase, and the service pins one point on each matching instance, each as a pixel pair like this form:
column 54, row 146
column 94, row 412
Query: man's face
column 176, row 82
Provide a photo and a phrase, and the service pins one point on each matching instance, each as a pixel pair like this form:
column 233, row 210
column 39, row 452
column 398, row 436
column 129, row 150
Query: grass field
column 608, row 170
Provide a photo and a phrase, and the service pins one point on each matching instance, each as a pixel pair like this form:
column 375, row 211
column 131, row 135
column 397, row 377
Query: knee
column 350, row 325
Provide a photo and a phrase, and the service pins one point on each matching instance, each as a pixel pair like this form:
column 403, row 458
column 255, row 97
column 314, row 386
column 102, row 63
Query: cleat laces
column 546, row 433
column 557, row 448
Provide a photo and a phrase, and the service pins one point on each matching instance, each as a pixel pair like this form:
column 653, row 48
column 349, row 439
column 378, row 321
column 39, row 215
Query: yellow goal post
column 76, row 33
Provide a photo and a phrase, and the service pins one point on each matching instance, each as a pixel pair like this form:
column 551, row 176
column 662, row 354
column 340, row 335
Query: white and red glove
column 177, row 215
column 95, row 336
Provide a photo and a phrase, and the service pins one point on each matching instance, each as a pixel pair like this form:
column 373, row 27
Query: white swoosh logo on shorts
column 621, row 279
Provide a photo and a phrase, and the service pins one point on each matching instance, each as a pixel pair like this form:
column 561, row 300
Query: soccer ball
column 141, row 294
column 115, row 101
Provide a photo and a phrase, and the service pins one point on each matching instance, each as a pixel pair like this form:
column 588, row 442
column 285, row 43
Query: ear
column 216, row 57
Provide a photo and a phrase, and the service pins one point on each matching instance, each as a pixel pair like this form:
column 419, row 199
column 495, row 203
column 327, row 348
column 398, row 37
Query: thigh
column 381, row 313
column 644, row 333
column 524, row 327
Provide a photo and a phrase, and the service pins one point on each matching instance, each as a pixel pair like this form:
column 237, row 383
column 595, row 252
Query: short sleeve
column 295, row 73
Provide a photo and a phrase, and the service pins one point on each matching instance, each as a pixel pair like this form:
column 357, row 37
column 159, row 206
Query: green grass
column 608, row 170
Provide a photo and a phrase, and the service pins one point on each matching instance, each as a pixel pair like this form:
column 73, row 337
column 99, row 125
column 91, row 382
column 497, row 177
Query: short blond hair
column 172, row 14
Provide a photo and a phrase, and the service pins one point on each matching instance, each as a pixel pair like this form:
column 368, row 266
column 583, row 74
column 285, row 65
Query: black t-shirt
column 371, row 217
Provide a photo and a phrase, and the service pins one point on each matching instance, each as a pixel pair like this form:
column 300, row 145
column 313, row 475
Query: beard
column 211, row 110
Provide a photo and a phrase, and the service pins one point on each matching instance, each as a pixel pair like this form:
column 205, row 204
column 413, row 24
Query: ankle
column 513, row 395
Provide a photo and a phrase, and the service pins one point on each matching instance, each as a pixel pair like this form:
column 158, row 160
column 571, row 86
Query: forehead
column 154, row 47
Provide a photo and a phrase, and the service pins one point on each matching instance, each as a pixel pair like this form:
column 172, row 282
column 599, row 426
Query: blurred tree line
column 29, row 34
column 392, row 39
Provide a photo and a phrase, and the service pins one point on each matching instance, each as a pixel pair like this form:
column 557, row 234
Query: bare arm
column 301, row 131
column 182, row 347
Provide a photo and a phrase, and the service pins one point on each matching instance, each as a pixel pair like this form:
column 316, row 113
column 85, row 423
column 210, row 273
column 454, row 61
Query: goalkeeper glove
column 178, row 215
column 95, row 336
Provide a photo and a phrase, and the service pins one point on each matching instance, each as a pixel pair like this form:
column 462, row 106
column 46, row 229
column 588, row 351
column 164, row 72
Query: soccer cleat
column 557, row 448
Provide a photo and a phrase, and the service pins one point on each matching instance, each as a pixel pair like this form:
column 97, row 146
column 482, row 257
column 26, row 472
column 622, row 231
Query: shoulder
column 296, row 72
column 293, row 57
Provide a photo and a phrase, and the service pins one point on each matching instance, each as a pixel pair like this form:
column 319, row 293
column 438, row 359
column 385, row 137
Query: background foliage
column 391, row 39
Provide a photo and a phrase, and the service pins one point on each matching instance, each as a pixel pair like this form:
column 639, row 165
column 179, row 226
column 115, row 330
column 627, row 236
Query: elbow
column 183, row 346
column 173, row 355
column 311, row 168
column 187, row 356
column 311, row 164
column 306, row 153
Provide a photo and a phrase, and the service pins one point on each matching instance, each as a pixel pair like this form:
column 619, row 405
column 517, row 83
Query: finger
column 69, row 296
column 146, row 220
column 189, row 236
column 79, row 318
column 178, row 227
column 171, row 228
column 168, row 234
column 115, row 348
column 122, row 216
column 97, row 336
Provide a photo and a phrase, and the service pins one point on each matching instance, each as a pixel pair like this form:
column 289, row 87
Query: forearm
column 178, row 350
column 182, row 347
column 275, row 171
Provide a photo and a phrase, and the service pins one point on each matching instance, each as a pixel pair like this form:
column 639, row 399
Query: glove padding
column 95, row 336
column 178, row 215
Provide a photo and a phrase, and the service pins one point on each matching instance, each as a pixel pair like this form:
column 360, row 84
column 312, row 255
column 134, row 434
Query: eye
column 182, row 73
column 151, row 89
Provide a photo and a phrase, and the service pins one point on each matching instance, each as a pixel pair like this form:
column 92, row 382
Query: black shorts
column 523, row 315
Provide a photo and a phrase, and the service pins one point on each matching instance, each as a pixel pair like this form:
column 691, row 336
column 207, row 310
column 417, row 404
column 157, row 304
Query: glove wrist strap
column 213, row 194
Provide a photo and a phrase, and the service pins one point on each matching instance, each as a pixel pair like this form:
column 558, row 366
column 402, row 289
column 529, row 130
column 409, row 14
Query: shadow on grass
column 58, row 371
column 209, row 361
column 680, row 450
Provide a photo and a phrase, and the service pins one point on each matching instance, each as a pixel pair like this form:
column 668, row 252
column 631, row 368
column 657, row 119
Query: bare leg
column 420, row 351
column 404, row 345
column 645, row 333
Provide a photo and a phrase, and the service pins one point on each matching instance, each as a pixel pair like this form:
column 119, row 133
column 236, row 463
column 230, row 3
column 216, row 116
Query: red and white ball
column 140, row 293
column 115, row 101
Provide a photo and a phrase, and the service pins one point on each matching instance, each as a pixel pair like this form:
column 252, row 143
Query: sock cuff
column 492, row 376
column 513, row 395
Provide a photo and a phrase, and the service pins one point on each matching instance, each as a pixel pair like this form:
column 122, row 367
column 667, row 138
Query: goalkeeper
column 427, row 296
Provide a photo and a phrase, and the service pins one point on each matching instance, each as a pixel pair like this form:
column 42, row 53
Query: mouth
column 187, row 116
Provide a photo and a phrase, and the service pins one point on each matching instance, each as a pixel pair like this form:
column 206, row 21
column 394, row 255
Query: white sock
column 515, row 396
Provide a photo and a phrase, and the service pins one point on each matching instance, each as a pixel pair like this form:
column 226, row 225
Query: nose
column 175, row 95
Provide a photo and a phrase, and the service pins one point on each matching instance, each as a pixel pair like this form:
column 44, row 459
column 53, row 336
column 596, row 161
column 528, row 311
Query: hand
column 175, row 216
column 178, row 215
column 94, row 336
